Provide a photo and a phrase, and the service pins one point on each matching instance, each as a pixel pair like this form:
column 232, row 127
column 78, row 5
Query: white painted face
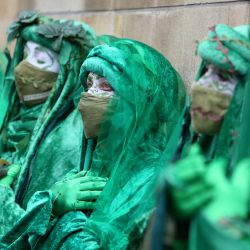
column 41, row 57
column 99, row 86
column 218, row 80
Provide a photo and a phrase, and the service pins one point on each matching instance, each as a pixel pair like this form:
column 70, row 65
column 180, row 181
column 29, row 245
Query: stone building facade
column 171, row 26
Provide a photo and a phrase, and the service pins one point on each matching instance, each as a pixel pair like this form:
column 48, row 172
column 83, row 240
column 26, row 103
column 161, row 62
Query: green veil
column 149, row 97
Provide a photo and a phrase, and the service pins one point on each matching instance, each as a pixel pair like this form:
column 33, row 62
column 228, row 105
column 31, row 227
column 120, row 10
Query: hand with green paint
column 190, row 190
column 232, row 195
column 13, row 171
column 77, row 192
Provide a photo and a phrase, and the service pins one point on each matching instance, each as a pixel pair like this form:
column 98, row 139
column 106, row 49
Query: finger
column 241, row 176
column 13, row 170
column 218, row 163
column 195, row 150
column 85, row 179
column 79, row 205
column 188, row 207
column 70, row 175
column 201, row 200
column 194, row 171
column 171, row 178
column 88, row 195
column 217, row 171
column 180, row 178
column 80, row 174
column 97, row 185
column 190, row 161
column 194, row 190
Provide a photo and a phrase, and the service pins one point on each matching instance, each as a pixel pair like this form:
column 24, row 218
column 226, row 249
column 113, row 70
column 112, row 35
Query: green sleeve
column 10, row 211
column 38, row 230
column 205, row 235
column 33, row 224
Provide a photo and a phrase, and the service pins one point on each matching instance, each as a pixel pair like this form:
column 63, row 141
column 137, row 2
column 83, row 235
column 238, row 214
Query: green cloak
column 46, row 140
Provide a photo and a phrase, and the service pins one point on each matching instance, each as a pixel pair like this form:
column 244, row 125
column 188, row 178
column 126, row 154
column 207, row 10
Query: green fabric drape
column 16, row 135
column 45, row 140
column 3, row 66
column 4, row 61
column 149, row 97
column 223, row 48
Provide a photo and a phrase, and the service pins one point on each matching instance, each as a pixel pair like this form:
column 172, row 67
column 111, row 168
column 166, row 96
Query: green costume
column 222, row 224
column 204, row 184
column 3, row 65
column 45, row 139
column 149, row 97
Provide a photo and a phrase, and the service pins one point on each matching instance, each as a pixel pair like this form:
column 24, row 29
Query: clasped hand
column 196, row 186
column 13, row 171
column 76, row 193
column 189, row 188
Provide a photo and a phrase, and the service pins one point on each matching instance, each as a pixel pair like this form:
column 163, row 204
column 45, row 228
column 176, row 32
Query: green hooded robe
column 46, row 140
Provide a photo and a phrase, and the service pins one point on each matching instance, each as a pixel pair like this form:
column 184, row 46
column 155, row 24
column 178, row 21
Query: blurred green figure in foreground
column 207, row 191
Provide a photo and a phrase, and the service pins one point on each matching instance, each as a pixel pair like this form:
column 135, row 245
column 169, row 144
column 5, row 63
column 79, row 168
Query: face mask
column 33, row 84
column 92, row 109
column 93, row 104
column 210, row 98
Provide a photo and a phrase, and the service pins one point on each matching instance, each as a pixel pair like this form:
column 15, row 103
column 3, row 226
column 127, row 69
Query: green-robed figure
column 40, row 128
column 131, row 102
column 207, row 189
